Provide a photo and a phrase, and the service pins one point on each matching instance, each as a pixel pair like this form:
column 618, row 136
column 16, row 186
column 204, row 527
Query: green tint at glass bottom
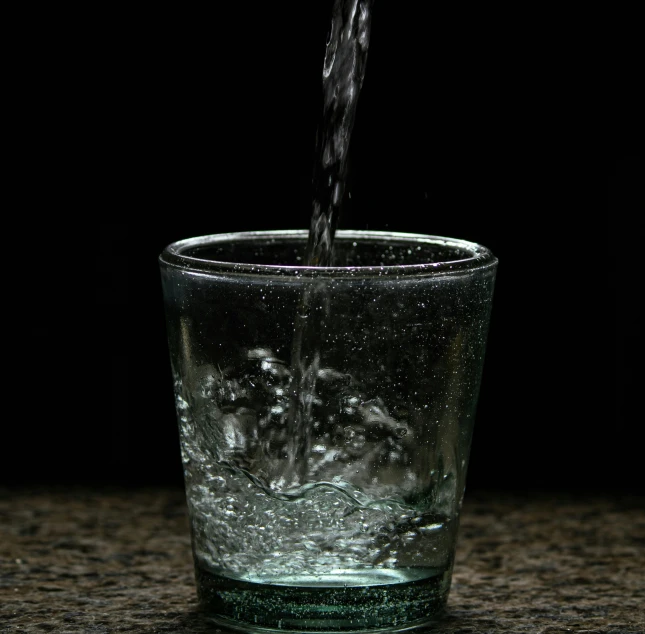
column 375, row 600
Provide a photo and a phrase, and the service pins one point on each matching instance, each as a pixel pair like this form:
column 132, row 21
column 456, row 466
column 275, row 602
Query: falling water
column 342, row 78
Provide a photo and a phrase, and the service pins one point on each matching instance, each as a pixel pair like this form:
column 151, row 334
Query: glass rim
column 481, row 257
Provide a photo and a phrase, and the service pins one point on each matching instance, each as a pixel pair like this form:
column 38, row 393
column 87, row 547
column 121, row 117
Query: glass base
column 381, row 600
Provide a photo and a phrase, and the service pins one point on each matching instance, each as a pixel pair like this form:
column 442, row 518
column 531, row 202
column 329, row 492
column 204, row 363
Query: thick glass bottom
column 345, row 601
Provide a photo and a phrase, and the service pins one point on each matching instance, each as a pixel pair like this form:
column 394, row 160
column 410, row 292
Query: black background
column 182, row 125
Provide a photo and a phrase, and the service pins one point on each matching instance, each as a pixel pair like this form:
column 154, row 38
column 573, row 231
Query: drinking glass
column 325, row 419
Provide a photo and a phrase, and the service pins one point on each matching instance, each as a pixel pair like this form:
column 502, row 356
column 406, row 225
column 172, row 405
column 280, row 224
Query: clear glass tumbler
column 325, row 417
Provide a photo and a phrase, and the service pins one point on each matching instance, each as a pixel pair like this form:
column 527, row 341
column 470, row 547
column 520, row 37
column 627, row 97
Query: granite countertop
column 119, row 561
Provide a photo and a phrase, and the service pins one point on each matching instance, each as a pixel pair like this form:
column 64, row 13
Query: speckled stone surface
column 117, row 561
